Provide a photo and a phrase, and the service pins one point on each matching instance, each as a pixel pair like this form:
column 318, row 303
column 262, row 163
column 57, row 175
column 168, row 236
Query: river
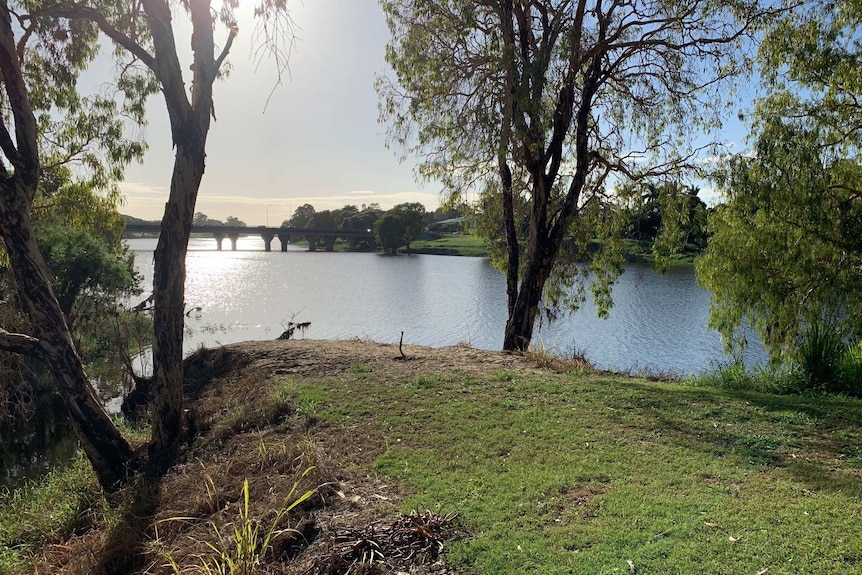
column 658, row 323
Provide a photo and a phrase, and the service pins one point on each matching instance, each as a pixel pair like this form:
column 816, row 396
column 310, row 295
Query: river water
column 658, row 322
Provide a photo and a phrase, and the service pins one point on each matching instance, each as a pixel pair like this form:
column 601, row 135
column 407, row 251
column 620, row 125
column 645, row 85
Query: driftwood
column 292, row 327
column 400, row 349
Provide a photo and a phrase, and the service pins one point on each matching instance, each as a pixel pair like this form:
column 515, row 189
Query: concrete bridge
column 359, row 240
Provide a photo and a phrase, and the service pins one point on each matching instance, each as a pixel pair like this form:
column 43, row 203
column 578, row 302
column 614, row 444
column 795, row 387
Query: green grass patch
column 583, row 474
column 47, row 510
column 451, row 245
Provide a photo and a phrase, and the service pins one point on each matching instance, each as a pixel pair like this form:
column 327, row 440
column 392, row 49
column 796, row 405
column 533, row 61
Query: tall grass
column 49, row 509
column 825, row 360
column 240, row 549
column 820, row 352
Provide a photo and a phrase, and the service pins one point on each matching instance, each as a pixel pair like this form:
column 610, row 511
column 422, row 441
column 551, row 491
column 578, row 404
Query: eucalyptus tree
column 787, row 246
column 546, row 105
column 143, row 32
column 46, row 160
column 42, row 49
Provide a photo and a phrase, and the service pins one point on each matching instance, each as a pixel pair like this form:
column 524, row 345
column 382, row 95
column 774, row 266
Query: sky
column 314, row 139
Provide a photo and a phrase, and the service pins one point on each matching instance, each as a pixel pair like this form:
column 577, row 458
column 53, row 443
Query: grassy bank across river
column 524, row 465
column 451, row 245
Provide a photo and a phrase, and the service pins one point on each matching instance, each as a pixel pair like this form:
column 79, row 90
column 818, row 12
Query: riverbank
column 511, row 464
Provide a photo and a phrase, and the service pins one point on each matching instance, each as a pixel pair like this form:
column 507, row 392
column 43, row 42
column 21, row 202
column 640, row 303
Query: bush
column 851, row 370
column 820, row 352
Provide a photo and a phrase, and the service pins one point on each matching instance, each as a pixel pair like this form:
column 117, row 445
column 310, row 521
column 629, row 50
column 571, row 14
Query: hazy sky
column 317, row 140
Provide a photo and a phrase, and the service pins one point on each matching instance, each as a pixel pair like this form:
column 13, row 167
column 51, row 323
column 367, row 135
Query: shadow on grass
column 125, row 550
column 814, row 438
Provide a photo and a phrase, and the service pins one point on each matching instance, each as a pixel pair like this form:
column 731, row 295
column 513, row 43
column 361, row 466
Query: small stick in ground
column 401, row 343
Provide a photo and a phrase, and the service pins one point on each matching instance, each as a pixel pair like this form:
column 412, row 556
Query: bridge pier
column 312, row 242
column 267, row 240
column 322, row 238
column 284, row 239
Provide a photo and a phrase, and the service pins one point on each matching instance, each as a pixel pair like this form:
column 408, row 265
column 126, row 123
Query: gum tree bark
column 106, row 448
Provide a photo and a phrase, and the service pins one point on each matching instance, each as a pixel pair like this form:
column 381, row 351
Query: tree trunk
column 106, row 448
column 522, row 317
column 168, row 295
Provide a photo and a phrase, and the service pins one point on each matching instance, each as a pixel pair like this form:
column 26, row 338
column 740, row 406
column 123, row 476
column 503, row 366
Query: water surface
column 658, row 322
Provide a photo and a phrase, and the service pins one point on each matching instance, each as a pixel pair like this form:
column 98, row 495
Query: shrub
column 820, row 351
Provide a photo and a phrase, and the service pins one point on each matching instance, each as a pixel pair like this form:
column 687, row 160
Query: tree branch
column 25, row 160
column 20, row 343
column 73, row 11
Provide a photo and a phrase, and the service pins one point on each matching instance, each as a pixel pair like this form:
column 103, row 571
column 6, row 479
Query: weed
column 360, row 369
column 544, row 358
column 426, row 381
column 240, row 549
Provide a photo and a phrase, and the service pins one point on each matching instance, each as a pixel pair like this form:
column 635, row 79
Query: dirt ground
column 185, row 522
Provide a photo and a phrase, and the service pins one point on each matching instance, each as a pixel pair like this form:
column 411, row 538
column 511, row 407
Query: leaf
column 733, row 539
column 631, row 566
column 762, row 571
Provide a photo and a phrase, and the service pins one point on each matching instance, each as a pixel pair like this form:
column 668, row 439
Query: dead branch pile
column 410, row 540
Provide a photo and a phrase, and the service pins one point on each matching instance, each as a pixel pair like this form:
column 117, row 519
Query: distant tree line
column 393, row 229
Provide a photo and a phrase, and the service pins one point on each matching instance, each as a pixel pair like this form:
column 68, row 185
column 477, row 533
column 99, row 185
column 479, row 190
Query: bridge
column 359, row 240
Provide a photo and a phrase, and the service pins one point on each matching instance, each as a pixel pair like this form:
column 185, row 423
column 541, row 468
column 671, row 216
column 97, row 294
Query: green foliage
column 201, row 219
column 390, row 232
column 361, row 220
column 763, row 379
column 819, row 356
column 670, row 215
column 786, row 249
column 413, row 217
column 823, row 360
column 325, row 219
column 302, row 217
column 50, row 509
column 83, row 265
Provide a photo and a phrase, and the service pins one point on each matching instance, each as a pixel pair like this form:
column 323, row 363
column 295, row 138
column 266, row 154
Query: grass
column 549, row 471
column 451, row 245
column 241, row 549
column 49, row 510
column 582, row 474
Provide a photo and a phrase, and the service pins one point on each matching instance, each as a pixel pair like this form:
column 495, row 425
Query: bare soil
column 350, row 525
